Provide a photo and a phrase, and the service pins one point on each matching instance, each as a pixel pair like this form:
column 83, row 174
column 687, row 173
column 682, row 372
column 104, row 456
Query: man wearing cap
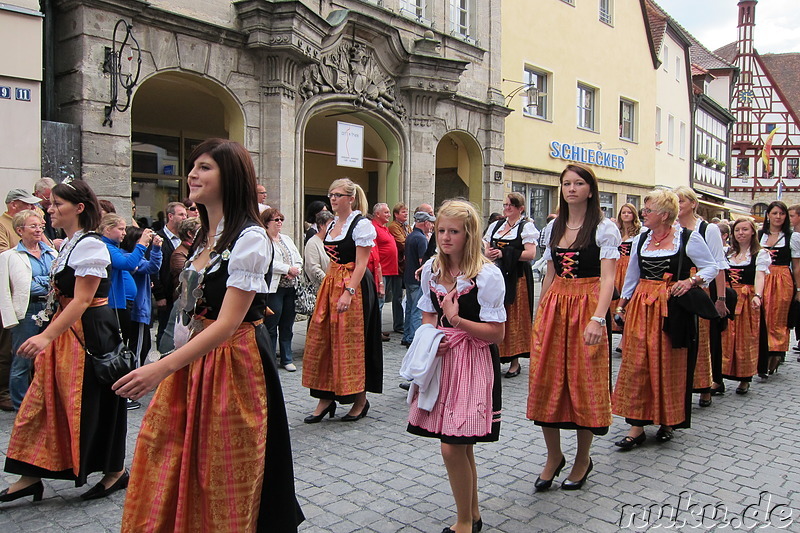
column 16, row 200
column 416, row 243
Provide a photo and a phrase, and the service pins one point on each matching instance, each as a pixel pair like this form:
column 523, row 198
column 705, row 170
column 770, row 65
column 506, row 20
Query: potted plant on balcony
column 702, row 158
column 720, row 165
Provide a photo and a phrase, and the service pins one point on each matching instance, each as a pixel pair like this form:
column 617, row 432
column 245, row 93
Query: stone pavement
column 736, row 469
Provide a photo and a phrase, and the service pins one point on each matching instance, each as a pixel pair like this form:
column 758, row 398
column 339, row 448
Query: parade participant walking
column 213, row 453
column 570, row 351
column 654, row 381
column 629, row 227
column 463, row 297
column 343, row 358
column 511, row 244
column 749, row 264
column 783, row 246
column 708, row 370
column 69, row 424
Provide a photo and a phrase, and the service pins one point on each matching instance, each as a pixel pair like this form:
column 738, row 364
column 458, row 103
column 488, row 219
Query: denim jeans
column 413, row 318
column 280, row 324
column 21, row 367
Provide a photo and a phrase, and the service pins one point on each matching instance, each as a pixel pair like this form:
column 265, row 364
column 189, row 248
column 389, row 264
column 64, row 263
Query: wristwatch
column 351, row 290
column 599, row 320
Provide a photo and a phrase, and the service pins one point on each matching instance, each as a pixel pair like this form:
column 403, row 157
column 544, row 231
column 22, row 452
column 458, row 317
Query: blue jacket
column 121, row 260
column 142, row 306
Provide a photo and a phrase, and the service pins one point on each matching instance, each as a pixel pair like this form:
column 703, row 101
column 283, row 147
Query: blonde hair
column 472, row 259
column 359, row 202
column 688, row 193
column 20, row 218
column 664, row 201
column 636, row 224
column 109, row 220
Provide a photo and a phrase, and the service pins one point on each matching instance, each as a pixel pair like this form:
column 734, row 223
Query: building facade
column 21, row 25
column 414, row 84
column 571, row 106
column 766, row 103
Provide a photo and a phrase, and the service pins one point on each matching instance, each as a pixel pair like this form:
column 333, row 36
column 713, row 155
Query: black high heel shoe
column 352, row 418
column 36, row 490
column 718, row 391
column 577, row 485
column 543, row 484
column 627, row 442
column 313, row 419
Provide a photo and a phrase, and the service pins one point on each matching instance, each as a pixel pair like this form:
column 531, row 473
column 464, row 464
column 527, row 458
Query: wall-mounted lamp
column 598, row 144
column 523, row 86
column 498, row 175
column 112, row 65
column 624, row 150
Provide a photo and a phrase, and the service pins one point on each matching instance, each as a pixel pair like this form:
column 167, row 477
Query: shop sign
column 586, row 156
column 349, row 145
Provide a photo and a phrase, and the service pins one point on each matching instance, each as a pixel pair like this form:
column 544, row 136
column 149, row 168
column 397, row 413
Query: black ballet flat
column 577, row 485
column 36, row 490
column 515, row 373
column 352, row 418
column 664, row 435
column 742, row 390
column 704, row 403
column 627, row 442
column 99, row 491
column 477, row 525
column 314, row 419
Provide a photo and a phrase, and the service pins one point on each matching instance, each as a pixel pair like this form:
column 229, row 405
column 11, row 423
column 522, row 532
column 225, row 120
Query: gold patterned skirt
column 199, row 462
column 619, row 281
column 516, row 342
column 651, row 384
column 702, row 370
column 569, row 381
column 778, row 293
column 740, row 339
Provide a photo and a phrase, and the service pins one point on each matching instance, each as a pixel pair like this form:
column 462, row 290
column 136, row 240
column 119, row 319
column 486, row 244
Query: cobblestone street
column 373, row 476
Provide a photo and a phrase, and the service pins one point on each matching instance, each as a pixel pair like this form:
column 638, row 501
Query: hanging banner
column 349, row 145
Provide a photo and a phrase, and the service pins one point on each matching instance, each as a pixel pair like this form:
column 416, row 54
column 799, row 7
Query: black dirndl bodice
column 581, row 263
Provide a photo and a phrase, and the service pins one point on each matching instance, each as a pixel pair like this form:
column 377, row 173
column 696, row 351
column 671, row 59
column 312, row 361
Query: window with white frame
column 666, row 58
column 792, row 167
column 627, row 120
column 535, row 97
column 461, row 14
column 677, row 68
column 586, row 107
column 658, row 128
column 413, row 8
column 671, row 134
column 607, row 11
column 682, row 147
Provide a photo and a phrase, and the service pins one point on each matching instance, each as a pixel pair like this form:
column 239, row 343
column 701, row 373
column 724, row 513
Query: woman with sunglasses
column 69, row 424
column 213, row 452
column 511, row 243
column 343, row 356
column 288, row 264
column 191, row 207
column 783, row 246
column 653, row 383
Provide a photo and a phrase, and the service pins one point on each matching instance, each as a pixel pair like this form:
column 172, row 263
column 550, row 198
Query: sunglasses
column 279, row 219
column 193, row 208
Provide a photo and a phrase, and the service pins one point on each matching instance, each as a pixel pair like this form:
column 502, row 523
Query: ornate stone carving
column 351, row 69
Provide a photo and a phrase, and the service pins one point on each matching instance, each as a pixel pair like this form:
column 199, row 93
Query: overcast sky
column 713, row 22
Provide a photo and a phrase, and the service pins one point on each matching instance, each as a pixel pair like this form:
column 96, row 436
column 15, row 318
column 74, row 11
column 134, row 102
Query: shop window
column 538, row 201
column 633, row 200
column 759, row 210
column 607, row 204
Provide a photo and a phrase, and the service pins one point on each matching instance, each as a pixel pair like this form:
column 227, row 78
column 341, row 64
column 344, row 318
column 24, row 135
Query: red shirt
column 387, row 249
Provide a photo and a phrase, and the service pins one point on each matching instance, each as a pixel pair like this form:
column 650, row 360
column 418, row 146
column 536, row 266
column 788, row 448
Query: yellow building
column 20, row 100
column 580, row 78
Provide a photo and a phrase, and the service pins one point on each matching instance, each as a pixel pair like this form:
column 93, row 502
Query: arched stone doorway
column 171, row 113
column 380, row 175
column 459, row 169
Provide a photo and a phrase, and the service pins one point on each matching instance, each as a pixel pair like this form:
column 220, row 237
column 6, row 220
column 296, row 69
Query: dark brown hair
column 238, row 181
column 786, row 228
column 593, row 212
column 78, row 192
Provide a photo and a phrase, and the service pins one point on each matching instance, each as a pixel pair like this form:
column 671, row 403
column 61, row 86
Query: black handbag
column 109, row 367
